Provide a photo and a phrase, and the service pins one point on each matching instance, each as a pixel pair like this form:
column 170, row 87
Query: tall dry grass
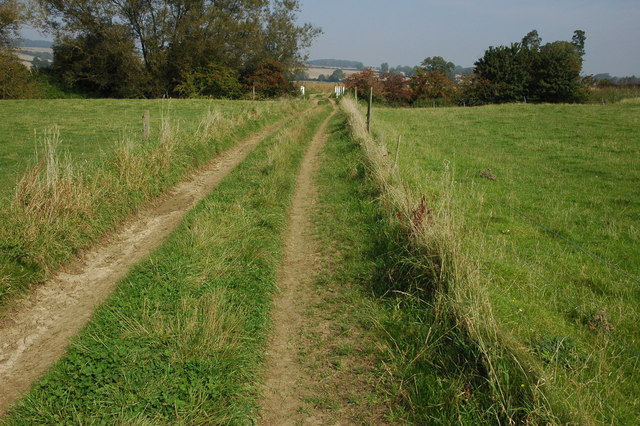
column 436, row 271
column 60, row 206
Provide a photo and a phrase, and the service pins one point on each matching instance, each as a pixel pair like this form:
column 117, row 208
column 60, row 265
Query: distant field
column 88, row 128
column 525, row 174
column 315, row 72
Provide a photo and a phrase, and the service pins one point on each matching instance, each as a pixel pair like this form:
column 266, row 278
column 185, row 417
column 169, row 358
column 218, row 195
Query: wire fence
column 562, row 294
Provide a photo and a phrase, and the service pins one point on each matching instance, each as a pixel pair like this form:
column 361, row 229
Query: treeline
column 131, row 48
column 336, row 63
column 526, row 71
column 606, row 80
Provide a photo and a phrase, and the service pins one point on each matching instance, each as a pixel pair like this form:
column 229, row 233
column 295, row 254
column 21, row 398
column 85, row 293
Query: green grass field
column 182, row 339
column 90, row 128
column 520, row 174
column 101, row 170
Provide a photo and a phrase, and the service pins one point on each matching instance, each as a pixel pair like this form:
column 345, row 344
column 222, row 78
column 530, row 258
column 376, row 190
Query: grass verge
column 182, row 339
column 523, row 172
column 61, row 205
column 452, row 359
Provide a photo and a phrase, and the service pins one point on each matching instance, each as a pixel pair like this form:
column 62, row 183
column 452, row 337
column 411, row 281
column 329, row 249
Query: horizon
column 461, row 30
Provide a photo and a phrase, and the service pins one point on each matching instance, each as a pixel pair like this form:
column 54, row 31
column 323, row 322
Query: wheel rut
column 36, row 331
column 284, row 385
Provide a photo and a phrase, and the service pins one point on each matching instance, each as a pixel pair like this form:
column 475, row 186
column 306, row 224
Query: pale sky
column 403, row 32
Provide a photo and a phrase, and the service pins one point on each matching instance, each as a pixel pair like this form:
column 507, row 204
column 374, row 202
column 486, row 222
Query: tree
column 100, row 64
column 364, row 81
column 502, row 74
column 556, row 73
column 213, row 80
column 545, row 73
column 438, row 63
column 430, row 85
column 336, row 76
column 578, row 40
column 11, row 15
column 395, row 89
column 384, row 68
column 269, row 80
column 175, row 37
column 15, row 82
column 285, row 41
column 532, row 41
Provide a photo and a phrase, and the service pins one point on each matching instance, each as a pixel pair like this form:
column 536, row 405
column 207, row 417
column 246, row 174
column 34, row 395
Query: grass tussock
column 60, row 206
column 478, row 374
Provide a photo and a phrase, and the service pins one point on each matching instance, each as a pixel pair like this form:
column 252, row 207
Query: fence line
column 560, row 292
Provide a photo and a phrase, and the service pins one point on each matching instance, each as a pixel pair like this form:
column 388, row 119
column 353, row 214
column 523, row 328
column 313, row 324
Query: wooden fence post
column 146, row 128
column 369, row 111
column 356, row 94
column 395, row 162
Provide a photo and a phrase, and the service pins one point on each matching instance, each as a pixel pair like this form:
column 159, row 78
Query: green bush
column 15, row 81
column 215, row 81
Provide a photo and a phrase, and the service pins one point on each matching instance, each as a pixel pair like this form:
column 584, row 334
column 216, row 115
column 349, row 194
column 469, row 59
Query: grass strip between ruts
column 182, row 339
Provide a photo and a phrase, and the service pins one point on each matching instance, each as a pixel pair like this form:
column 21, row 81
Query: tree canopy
column 439, row 64
column 11, row 12
column 529, row 70
column 173, row 38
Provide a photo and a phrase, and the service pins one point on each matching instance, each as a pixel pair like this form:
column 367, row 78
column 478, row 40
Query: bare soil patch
column 35, row 332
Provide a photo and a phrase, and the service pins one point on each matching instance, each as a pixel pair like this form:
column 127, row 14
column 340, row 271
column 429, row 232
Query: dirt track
column 35, row 333
column 284, row 382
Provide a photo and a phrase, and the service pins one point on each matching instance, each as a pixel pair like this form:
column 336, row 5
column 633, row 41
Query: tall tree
column 504, row 73
column 100, row 64
column 546, row 73
column 175, row 37
column 532, row 40
column 11, row 15
column 438, row 63
column 578, row 40
column 556, row 73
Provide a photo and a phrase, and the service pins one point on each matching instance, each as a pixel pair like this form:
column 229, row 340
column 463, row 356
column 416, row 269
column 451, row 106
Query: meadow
column 90, row 129
column 544, row 204
column 62, row 189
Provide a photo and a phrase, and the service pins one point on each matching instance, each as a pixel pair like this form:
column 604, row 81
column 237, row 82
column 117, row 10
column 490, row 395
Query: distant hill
column 336, row 63
column 25, row 42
